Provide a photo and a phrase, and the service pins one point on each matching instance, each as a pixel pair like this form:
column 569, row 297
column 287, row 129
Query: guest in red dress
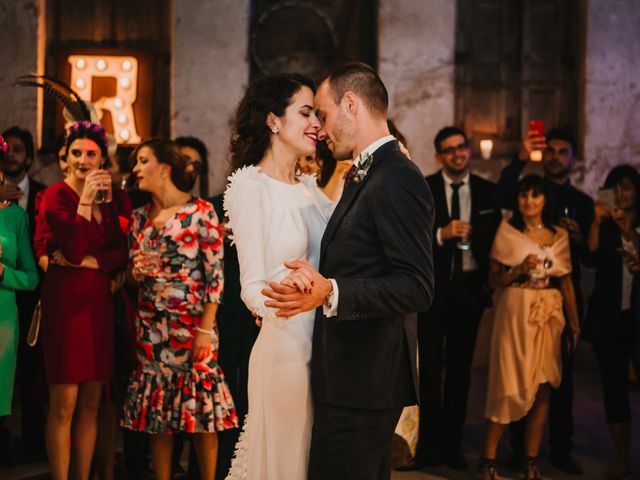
column 86, row 245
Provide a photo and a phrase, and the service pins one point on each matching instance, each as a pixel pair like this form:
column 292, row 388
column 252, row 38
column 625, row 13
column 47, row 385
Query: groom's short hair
column 362, row 80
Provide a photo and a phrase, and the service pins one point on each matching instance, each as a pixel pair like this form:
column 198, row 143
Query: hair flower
column 3, row 145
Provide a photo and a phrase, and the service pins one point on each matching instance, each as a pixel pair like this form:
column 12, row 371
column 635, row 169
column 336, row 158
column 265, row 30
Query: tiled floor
column 592, row 443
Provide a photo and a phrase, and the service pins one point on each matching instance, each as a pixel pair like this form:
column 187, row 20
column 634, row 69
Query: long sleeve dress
column 528, row 323
column 168, row 392
column 20, row 273
column 77, row 304
column 273, row 222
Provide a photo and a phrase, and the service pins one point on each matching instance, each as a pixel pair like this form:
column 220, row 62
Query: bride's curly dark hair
column 251, row 136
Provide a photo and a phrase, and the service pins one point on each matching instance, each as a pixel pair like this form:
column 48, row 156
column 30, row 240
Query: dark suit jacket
column 26, row 300
column 377, row 246
column 485, row 218
column 602, row 322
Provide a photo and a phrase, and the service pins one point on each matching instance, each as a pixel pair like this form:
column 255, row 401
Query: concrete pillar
column 416, row 62
column 611, row 88
column 209, row 73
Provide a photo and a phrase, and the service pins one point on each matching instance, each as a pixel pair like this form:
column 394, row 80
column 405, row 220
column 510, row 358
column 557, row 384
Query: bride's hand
column 299, row 279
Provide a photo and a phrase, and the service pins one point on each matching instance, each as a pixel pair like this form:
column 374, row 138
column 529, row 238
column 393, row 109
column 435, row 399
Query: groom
column 376, row 272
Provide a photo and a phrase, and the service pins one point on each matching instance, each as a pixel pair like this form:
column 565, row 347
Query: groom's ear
column 351, row 102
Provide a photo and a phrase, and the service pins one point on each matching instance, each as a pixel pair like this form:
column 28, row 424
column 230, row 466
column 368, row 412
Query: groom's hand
column 289, row 300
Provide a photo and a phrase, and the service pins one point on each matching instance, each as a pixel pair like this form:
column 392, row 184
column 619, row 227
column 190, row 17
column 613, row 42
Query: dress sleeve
column 71, row 231
column 114, row 255
column 41, row 229
column 24, row 276
column 247, row 203
column 211, row 254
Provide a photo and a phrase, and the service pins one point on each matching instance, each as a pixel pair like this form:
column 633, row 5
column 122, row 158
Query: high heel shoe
column 488, row 466
column 530, row 467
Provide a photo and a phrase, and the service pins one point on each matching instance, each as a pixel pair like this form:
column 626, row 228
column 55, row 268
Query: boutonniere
column 359, row 169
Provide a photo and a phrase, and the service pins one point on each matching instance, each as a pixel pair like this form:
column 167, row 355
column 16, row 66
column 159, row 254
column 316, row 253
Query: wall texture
column 416, row 47
column 611, row 89
column 209, row 72
column 19, row 54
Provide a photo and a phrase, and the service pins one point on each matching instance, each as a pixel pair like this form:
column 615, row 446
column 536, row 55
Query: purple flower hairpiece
column 3, row 145
column 85, row 125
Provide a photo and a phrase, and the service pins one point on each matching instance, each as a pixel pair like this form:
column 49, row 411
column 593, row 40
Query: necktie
column 455, row 215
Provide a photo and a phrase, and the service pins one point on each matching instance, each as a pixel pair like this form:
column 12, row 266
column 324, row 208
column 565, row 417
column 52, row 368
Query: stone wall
column 19, row 54
column 611, row 88
column 416, row 47
column 209, row 72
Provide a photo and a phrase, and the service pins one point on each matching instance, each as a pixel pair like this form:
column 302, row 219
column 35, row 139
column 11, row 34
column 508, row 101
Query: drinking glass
column 540, row 272
column 151, row 263
column 104, row 195
column 464, row 243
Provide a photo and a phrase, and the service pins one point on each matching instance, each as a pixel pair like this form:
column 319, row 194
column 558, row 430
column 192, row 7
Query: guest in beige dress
column 530, row 269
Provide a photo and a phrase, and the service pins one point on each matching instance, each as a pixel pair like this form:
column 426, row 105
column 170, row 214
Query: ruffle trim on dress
column 166, row 399
column 238, row 470
column 249, row 172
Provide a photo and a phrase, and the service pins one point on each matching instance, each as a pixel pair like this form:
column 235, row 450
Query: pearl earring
column 275, row 130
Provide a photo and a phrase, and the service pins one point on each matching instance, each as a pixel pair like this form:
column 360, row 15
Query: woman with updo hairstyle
column 175, row 246
column 84, row 245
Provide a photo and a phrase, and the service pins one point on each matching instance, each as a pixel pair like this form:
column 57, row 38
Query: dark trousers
column 30, row 379
column 613, row 356
column 351, row 444
column 446, row 341
column 560, row 411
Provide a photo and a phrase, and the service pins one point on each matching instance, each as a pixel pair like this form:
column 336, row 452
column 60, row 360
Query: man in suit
column 376, row 272
column 21, row 189
column 465, row 224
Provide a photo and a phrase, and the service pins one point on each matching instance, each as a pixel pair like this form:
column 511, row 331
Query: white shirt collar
column 448, row 181
column 371, row 148
column 24, row 187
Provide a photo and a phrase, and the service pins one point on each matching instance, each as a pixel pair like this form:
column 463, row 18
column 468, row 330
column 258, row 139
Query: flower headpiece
column 85, row 126
column 3, row 145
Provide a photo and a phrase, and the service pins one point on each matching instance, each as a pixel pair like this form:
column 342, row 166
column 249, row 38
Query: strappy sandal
column 530, row 467
column 488, row 465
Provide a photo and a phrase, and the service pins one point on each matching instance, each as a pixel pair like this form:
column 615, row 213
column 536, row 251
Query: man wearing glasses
column 466, row 219
column 574, row 211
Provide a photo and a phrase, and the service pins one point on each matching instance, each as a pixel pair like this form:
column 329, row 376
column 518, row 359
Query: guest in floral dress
column 178, row 385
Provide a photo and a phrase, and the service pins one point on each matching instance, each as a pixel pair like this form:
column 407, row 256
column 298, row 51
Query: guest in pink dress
column 530, row 269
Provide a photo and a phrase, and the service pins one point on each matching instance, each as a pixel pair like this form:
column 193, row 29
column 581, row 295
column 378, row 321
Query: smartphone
column 607, row 198
column 536, row 128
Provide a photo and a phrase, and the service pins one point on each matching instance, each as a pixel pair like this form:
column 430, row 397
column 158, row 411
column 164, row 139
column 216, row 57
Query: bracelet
column 202, row 330
column 85, row 204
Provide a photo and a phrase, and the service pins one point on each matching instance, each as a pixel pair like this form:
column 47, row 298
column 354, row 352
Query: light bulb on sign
column 80, row 83
column 126, row 66
column 101, row 65
column 80, row 64
column 122, row 119
column 124, row 134
column 486, row 147
column 118, row 102
column 125, row 82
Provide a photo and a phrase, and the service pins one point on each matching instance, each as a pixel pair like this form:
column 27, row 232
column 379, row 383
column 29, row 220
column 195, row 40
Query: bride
column 275, row 216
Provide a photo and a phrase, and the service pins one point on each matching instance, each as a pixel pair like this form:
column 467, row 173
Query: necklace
column 535, row 228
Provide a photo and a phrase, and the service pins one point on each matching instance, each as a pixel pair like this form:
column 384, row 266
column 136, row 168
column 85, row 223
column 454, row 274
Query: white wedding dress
column 273, row 222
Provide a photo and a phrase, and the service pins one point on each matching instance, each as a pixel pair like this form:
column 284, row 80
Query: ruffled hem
column 238, row 470
column 161, row 399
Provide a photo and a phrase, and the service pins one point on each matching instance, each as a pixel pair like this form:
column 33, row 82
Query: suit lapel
column 440, row 198
column 350, row 193
column 474, row 199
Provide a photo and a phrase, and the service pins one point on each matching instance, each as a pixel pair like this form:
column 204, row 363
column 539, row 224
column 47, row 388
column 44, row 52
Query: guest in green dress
column 17, row 272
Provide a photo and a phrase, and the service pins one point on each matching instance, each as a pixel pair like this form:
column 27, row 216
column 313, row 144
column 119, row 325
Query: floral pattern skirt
column 169, row 393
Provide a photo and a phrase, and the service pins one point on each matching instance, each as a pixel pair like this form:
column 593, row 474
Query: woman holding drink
column 85, row 245
column 613, row 313
column 530, row 268
column 176, row 250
